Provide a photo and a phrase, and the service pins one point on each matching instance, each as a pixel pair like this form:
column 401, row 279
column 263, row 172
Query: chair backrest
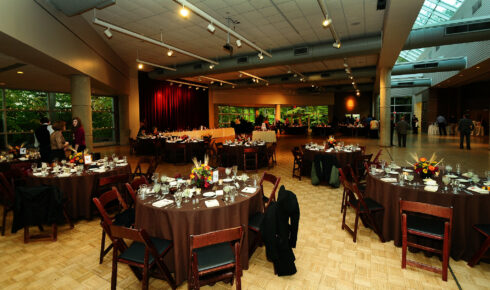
column 427, row 208
column 346, row 177
column 106, row 198
column 353, row 175
column 139, row 235
column 216, row 237
column 152, row 166
column 376, row 158
column 275, row 183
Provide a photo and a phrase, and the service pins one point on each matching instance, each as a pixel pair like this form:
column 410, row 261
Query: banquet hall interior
column 334, row 136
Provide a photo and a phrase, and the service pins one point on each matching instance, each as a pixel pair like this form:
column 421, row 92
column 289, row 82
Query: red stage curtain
column 171, row 107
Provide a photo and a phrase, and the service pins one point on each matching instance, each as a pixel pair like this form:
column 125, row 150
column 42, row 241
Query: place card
column 22, row 151
column 215, row 176
column 219, row 192
column 212, row 203
column 249, row 190
column 388, row 179
column 162, row 203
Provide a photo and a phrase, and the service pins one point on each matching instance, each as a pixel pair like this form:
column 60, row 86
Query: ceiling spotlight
column 267, row 84
column 353, row 83
column 140, row 66
column 190, row 87
column 211, row 66
column 184, row 12
column 211, row 28
column 221, row 84
column 336, row 44
column 312, row 86
column 203, row 89
column 211, row 82
column 232, row 87
column 289, row 71
column 358, row 93
column 240, row 75
column 346, row 65
column 180, row 85
column 170, row 52
column 261, row 56
column 199, row 78
column 197, row 88
column 326, row 23
column 238, row 43
column 351, row 77
column 19, row 72
column 108, row 32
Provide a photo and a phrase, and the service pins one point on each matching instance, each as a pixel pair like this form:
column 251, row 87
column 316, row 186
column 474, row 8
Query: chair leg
column 67, row 218
column 343, row 201
column 343, row 218
column 114, row 270
column 102, row 248
column 404, row 242
column 55, row 231
column 4, row 220
column 356, row 225
column 474, row 260
column 445, row 256
column 144, row 285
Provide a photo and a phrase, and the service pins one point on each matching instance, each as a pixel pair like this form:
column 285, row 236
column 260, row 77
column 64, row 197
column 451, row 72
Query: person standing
column 392, row 129
column 78, row 135
column 58, row 143
column 373, row 128
column 465, row 126
column 415, row 125
column 402, row 128
column 441, row 122
column 41, row 135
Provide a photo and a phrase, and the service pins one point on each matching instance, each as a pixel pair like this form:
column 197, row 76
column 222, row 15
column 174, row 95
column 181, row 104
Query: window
column 317, row 114
column 103, row 123
column 227, row 114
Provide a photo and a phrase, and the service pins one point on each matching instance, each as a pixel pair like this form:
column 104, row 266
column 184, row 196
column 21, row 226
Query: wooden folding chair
column 255, row 220
column 214, row 257
column 298, row 162
column 152, row 165
column 363, row 206
column 429, row 221
column 484, row 229
column 7, row 198
column 144, row 253
column 247, row 152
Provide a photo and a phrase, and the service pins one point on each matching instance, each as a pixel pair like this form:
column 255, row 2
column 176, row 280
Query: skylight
column 432, row 12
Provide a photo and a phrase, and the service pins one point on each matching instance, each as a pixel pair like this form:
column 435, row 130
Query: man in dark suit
column 465, row 126
column 402, row 128
column 42, row 134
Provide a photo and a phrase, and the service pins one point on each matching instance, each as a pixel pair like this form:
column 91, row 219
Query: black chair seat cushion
column 136, row 252
column 214, row 256
column 255, row 221
column 125, row 218
column 425, row 225
column 371, row 204
column 484, row 228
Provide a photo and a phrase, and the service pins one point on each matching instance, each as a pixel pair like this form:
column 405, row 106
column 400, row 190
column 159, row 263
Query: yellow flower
column 425, row 170
column 423, row 159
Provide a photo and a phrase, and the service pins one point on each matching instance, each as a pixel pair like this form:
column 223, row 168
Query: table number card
column 22, row 151
column 215, row 176
column 87, row 159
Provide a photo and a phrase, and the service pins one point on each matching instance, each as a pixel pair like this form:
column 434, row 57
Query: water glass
column 401, row 179
column 410, row 178
column 34, row 167
column 446, row 180
column 449, row 168
column 458, row 168
column 232, row 195
column 228, row 172
column 125, row 159
column 178, row 199
column 373, row 169
column 488, row 175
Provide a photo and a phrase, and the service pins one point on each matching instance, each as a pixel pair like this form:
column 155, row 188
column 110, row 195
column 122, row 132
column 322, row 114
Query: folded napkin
column 451, row 176
column 219, row 192
column 99, row 170
column 64, row 175
column 430, row 182
column 211, row 203
column 395, row 167
column 432, row 188
column 121, row 164
column 462, row 180
column 249, row 190
column 379, row 170
column 23, row 159
column 348, row 151
column 37, row 173
column 329, row 150
column 162, row 203
column 466, row 174
column 407, row 170
column 388, row 179
column 477, row 189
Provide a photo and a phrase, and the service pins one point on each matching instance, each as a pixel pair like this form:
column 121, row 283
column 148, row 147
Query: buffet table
column 77, row 188
column 177, row 224
column 266, row 136
column 469, row 208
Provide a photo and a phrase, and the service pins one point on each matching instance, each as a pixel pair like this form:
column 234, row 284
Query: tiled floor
column 326, row 257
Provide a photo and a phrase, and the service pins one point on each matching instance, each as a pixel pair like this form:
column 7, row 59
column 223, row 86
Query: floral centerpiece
column 201, row 175
column 76, row 157
column 184, row 137
column 331, row 142
column 15, row 150
column 425, row 167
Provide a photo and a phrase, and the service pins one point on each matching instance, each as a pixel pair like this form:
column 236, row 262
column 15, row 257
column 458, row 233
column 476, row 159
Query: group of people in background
column 51, row 142
column 465, row 126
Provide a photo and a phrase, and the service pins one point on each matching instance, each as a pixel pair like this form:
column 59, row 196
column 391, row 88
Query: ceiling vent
column 468, row 28
column 74, row 7
column 11, row 67
column 243, row 59
column 198, row 66
column 300, row 51
column 426, row 65
column 381, row 5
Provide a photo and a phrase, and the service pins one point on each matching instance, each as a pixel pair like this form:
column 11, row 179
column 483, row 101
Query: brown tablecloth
column 234, row 156
column 5, row 166
column 343, row 158
column 77, row 189
column 178, row 224
column 193, row 149
column 468, row 209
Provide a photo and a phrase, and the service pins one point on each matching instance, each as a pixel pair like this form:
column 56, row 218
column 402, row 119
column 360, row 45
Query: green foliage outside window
column 317, row 114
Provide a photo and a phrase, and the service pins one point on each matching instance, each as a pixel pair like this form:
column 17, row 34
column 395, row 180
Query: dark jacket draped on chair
column 279, row 231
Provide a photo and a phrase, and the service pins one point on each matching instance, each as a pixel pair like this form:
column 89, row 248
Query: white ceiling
column 260, row 22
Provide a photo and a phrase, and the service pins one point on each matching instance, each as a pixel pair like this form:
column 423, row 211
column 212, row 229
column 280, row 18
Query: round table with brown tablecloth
column 76, row 188
column 344, row 158
column 192, row 149
column 177, row 224
column 469, row 208
column 5, row 165
column 233, row 155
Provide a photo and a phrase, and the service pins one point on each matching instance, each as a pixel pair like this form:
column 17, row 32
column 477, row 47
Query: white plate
column 463, row 180
column 227, row 180
column 451, row 176
column 407, row 170
column 393, row 172
column 209, row 194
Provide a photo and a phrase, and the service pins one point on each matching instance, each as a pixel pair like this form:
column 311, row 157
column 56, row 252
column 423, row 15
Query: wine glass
column 154, row 177
column 458, row 168
column 475, row 179
column 178, row 199
column 449, row 168
column 387, row 171
column 455, row 185
column 470, row 173
column 34, row 167
column 410, row 178
column 446, row 180
column 488, row 175
column 228, row 172
column 235, row 170
column 401, row 178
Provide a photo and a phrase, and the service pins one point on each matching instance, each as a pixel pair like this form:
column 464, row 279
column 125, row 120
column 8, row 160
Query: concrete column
column 123, row 120
column 81, row 105
column 278, row 112
column 133, row 103
column 384, row 106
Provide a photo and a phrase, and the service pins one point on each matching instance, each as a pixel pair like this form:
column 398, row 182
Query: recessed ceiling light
column 238, row 43
column 19, row 72
column 140, row 66
column 326, row 23
column 211, row 66
column 184, row 11
column 211, row 28
column 260, row 55
column 477, row 67
column 170, row 52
